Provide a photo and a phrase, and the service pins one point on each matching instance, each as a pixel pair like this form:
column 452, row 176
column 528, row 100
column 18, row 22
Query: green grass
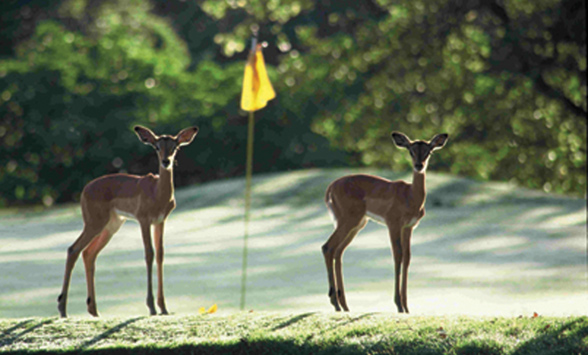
column 302, row 333
column 487, row 249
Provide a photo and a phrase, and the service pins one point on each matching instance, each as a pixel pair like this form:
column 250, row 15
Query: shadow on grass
column 293, row 320
column 108, row 333
column 8, row 338
column 6, row 332
column 567, row 338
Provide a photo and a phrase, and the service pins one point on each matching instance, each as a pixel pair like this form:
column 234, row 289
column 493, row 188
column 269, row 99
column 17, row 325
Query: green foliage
column 69, row 98
column 67, row 95
column 506, row 80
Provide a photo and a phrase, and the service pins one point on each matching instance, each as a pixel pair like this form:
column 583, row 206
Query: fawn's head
column 165, row 145
column 420, row 151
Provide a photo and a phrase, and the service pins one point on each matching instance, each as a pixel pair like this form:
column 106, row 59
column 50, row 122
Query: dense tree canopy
column 505, row 78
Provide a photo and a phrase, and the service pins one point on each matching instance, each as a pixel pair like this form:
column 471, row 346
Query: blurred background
column 505, row 78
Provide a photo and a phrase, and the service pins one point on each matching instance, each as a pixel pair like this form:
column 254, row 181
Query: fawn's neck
column 165, row 185
column 419, row 193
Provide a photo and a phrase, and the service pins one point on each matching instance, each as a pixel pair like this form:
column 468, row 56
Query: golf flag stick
column 257, row 91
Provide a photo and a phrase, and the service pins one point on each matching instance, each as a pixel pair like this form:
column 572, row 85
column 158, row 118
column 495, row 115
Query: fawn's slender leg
column 342, row 233
column 158, row 238
column 339, row 262
column 146, row 234
column 73, row 253
column 397, row 254
column 329, row 261
column 89, row 256
column 405, row 243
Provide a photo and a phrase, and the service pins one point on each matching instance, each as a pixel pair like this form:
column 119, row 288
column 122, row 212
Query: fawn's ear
column 145, row 135
column 438, row 141
column 400, row 139
column 186, row 136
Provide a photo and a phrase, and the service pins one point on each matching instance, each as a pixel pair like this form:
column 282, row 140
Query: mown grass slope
column 482, row 249
column 300, row 333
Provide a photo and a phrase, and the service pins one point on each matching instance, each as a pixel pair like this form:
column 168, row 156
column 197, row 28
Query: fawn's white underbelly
column 376, row 217
column 379, row 219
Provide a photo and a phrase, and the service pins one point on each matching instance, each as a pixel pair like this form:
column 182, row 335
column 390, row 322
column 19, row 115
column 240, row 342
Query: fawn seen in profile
column 399, row 205
column 109, row 200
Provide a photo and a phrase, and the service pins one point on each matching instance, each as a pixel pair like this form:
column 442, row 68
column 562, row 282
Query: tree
column 89, row 71
column 69, row 98
column 506, row 80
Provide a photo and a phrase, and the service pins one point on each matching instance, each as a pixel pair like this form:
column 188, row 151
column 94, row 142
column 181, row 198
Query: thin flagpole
column 248, row 173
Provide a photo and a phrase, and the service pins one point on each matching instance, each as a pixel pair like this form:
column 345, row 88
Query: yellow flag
column 257, row 89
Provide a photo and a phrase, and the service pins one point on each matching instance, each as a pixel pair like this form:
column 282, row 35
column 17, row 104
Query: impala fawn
column 106, row 203
column 354, row 199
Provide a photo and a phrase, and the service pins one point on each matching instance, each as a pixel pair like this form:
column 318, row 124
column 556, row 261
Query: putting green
column 482, row 248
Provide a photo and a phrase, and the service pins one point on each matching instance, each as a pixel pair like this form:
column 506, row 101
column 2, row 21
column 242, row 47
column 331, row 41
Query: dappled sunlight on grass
column 496, row 244
column 373, row 236
column 268, row 186
column 561, row 218
column 169, row 260
column 481, row 249
column 485, row 301
column 16, row 244
column 30, row 295
column 307, row 248
column 32, row 257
